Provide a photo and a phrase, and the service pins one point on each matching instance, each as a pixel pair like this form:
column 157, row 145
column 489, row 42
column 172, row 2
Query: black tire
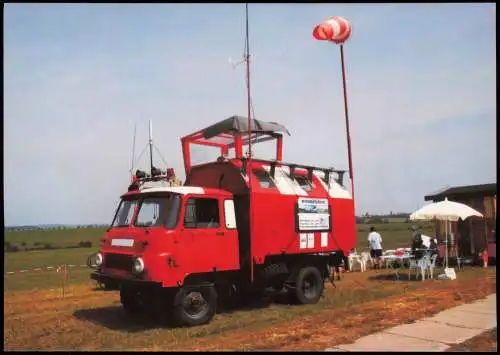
column 195, row 305
column 133, row 300
column 309, row 285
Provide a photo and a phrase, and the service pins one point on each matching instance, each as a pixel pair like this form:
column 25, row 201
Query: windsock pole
column 346, row 111
column 338, row 30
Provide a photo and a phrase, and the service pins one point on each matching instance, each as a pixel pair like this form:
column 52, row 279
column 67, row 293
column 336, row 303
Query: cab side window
column 202, row 213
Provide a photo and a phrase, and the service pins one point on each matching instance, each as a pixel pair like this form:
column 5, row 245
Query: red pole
column 347, row 121
column 279, row 148
column 187, row 156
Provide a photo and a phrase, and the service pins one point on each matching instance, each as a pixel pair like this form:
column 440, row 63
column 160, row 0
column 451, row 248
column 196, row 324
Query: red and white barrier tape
column 58, row 268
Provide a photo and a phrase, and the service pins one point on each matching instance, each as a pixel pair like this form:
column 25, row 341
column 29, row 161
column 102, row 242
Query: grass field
column 59, row 237
column 87, row 319
column 394, row 235
column 361, row 304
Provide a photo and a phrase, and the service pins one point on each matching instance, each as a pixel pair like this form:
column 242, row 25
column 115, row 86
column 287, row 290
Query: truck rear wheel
column 132, row 300
column 195, row 305
column 309, row 285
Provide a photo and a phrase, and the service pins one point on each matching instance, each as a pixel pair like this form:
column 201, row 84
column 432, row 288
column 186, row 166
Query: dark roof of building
column 484, row 189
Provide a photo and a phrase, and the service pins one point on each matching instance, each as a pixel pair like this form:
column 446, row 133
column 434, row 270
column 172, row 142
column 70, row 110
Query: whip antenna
column 133, row 151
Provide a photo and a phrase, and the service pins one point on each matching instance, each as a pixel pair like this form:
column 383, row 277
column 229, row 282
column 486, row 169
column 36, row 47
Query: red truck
column 180, row 248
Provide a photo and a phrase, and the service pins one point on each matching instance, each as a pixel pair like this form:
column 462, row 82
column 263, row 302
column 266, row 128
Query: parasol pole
column 446, row 244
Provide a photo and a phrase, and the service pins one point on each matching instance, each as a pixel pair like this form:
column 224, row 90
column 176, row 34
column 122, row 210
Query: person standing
column 484, row 255
column 417, row 242
column 434, row 246
column 375, row 245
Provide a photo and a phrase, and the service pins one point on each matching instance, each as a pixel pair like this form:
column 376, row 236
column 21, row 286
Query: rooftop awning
column 239, row 124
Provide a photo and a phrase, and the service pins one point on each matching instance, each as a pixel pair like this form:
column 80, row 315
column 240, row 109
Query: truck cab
column 173, row 227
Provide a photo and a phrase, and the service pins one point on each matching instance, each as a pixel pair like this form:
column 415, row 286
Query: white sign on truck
column 313, row 214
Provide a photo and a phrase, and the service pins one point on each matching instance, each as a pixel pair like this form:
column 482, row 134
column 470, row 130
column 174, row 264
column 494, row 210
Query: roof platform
column 232, row 133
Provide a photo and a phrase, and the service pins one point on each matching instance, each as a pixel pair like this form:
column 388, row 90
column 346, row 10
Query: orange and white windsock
column 336, row 29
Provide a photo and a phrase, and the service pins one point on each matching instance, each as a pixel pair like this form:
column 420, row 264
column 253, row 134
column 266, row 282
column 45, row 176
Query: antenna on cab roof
column 151, row 146
column 133, row 152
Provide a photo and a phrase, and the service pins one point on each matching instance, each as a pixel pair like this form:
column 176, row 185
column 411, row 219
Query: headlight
column 95, row 260
column 99, row 259
column 138, row 266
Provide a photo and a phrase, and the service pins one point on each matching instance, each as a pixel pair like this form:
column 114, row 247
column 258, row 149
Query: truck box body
column 274, row 224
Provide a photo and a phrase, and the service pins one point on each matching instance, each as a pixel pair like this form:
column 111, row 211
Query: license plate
column 122, row 242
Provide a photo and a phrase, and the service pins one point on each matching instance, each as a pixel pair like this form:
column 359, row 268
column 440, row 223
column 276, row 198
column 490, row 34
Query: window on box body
column 265, row 179
column 304, row 182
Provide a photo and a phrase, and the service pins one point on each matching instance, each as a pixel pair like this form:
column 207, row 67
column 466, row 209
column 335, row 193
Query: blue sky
column 77, row 77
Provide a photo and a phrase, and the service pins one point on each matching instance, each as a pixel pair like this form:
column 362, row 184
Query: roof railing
column 310, row 169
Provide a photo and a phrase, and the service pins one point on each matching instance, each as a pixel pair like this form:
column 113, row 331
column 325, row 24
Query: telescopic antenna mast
column 249, row 111
column 151, row 146
column 133, row 151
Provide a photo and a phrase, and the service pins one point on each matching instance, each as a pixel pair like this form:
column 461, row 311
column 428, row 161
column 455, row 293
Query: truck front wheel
column 309, row 285
column 195, row 305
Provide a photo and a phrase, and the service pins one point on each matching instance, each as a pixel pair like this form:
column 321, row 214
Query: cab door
column 206, row 245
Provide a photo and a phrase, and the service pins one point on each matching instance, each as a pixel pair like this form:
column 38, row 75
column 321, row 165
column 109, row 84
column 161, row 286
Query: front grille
column 118, row 261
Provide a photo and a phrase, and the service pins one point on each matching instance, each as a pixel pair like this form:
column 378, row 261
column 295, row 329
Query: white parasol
column 445, row 211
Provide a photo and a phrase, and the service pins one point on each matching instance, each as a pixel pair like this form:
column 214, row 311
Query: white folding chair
column 353, row 258
column 363, row 260
column 432, row 265
column 418, row 264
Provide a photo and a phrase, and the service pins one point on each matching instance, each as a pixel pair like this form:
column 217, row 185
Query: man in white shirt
column 375, row 244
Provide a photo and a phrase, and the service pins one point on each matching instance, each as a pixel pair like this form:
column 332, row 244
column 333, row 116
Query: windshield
column 125, row 213
column 159, row 211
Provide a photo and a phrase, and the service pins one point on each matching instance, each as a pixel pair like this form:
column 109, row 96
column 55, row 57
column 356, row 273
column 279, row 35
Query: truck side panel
column 274, row 228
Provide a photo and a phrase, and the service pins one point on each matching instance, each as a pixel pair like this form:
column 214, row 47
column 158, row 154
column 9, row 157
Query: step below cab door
column 209, row 238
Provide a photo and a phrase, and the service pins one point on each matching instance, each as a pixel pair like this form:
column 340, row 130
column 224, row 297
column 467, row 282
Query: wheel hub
column 308, row 288
column 195, row 303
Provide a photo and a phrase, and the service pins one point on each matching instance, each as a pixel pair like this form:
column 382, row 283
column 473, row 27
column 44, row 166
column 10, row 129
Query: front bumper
column 114, row 281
